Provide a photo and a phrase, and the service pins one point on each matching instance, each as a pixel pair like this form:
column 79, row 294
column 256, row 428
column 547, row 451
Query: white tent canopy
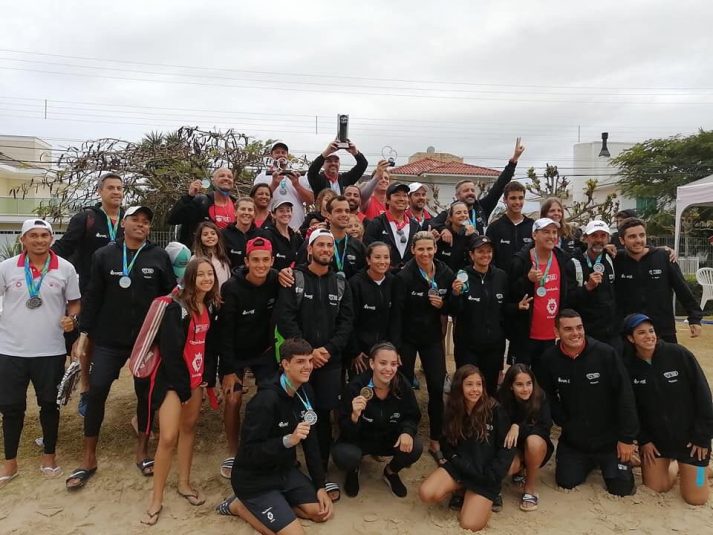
column 698, row 193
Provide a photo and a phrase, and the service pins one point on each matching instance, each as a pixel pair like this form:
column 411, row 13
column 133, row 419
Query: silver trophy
column 68, row 383
column 342, row 131
column 390, row 155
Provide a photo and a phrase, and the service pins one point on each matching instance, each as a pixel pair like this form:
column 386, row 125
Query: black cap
column 479, row 240
column 396, row 186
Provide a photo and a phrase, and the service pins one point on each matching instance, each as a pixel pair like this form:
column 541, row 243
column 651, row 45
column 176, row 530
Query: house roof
column 434, row 167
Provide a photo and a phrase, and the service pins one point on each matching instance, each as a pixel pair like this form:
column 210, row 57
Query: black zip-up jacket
column 571, row 246
column 354, row 259
column 379, row 229
column 455, row 254
column 521, row 285
column 482, row 464
column 374, row 312
column 508, row 238
column 284, row 250
column 86, row 232
column 673, row 399
column 112, row 315
column 383, row 420
column 598, row 306
column 246, row 323
column 263, row 462
column 321, row 318
column 482, row 310
column 172, row 373
column 421, row 321
column 540, row 425
column 189, row 212
column 483, row 207
column 235, row 241
column 590, row 396
column 318, row 182
column 646, row 286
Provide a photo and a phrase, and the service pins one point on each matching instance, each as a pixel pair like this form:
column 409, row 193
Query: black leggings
column 347, row 456
column 433, row 361
column 16, row 373
column 488, row 359
column 106, row 365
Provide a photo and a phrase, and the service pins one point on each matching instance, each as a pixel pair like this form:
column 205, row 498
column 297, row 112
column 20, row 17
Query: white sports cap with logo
column 413, row 187
column 31, row 224
column 544, row 222
column 319, row 233
column 596, row 226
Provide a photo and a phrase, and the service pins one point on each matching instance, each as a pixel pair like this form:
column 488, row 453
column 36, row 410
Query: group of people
column 329, row 311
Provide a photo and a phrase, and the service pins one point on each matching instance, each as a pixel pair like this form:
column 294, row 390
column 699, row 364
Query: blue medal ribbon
column 285, row 383
column 429, row 280
column 340, row 261
column 126, row 269
column 597, row 261
column 113, row 227
column 543, row 280
column 32, row 287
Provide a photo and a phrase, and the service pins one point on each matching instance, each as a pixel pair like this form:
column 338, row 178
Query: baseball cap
column 333, row 155
column 544, row 222
column 277, row 203
column 394, row 187
column 277, row 144
column 480, row 240
column 319, row 233
column 31, row 224
column 413, row 187
column 632, row 321
column 136, row 209
column 596, row 226
column 180, row 256
column 258, row 244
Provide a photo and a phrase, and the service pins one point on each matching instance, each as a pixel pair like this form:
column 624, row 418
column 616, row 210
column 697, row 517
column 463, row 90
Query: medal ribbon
column 340, row 261
column 113, row 227
column 285, row 383
column 543, row 280
column 127, row 269
column 430, row 281
column 597, row 261
column 32, row 288
column 473, row 216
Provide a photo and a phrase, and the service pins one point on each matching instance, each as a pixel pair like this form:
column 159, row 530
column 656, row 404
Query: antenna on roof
column 605, row 151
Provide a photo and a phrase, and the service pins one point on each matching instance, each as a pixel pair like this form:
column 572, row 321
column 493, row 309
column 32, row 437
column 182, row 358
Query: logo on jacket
column 639, row 381
column 594, row 375
column 246, row 312
column 476, row 299
column 282, row 424
column 507, row 242
column 112, row 272
column 369, row 307
column 147, row 271
column 671, row 374
column 563, row 380
column 100, row 235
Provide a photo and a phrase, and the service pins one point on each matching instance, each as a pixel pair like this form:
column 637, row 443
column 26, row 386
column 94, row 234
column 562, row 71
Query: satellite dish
column 431, row 150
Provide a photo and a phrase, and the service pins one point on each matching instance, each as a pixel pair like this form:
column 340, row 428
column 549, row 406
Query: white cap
column 596, row 226
column 544, row 222
column 319, row 233
column 30, row 224
column 136, row 209
column 413, row 187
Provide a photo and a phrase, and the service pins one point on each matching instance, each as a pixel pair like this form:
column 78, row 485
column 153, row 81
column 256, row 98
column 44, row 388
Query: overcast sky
column 466, row 77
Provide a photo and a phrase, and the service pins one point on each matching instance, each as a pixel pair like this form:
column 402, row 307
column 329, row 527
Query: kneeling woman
column 177, row 390
column 673, row 401
column 528, row 410
column 379, row 416
column 473, row 441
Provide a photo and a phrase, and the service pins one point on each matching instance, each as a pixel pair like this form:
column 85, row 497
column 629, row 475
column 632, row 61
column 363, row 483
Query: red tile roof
column 434, row 167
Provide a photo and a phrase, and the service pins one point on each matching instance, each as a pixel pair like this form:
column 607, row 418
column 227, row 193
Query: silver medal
column 205, row 183
column 310, row 417
column 433, row 292
column 125, row 282
column 33, row 302
column 462, row 277
column 598, row 267
column 541, row 291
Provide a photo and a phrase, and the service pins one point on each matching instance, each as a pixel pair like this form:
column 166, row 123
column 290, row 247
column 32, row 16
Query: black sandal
column 146, row 467
column 82, row 475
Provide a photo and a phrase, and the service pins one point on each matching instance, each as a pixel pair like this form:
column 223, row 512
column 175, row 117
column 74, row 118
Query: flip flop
column 146, row 467
column 333, row 491
column 152, row 517
column 223, row 508
column 4, row 480
column 82, row 475
column 528, row 502
column 193, row 498
column 51, row 473
column 518, row 479
column 226, row 467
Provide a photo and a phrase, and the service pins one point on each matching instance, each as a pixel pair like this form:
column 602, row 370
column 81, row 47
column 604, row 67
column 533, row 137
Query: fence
column 693, row 253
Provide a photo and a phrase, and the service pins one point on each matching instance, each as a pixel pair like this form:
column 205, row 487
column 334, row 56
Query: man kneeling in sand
column 270, row 491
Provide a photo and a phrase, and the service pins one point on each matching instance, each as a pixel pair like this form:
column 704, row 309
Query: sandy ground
column 114, row 500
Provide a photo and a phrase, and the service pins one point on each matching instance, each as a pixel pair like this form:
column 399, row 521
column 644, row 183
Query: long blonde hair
column 566, row 230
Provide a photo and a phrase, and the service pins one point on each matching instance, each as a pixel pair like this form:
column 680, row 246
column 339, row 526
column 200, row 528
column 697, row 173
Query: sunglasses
column 402, row 235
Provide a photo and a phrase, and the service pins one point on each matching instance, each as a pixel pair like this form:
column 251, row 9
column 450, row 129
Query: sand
column 115, row 499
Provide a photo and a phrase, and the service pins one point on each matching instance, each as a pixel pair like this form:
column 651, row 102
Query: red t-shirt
column 222, row 216
column 194, row 350
column 374, row 208
column 544, row 309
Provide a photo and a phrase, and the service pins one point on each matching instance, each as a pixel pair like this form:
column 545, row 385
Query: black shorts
column 327, row 385
column 17, row 372
column 489, row 492
column 550, row 446
column 683, row 455
column 574, row 465
column 274, row 508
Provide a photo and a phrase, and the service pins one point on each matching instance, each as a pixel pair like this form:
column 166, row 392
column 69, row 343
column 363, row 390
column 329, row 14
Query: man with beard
column 512, row 230
column 318, row 308
column 330, row 177
column 394, row 227
column 417, row 199
column 286, row 186
column 194, row 207
column 479, row 210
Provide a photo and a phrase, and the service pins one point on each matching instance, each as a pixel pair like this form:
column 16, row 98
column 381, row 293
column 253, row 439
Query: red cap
column 258, row 244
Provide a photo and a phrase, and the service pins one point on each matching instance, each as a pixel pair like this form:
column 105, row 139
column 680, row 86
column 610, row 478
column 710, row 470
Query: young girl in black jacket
column 529, row 413
column 473, row 445
column 378, row 415
column 177, row 390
